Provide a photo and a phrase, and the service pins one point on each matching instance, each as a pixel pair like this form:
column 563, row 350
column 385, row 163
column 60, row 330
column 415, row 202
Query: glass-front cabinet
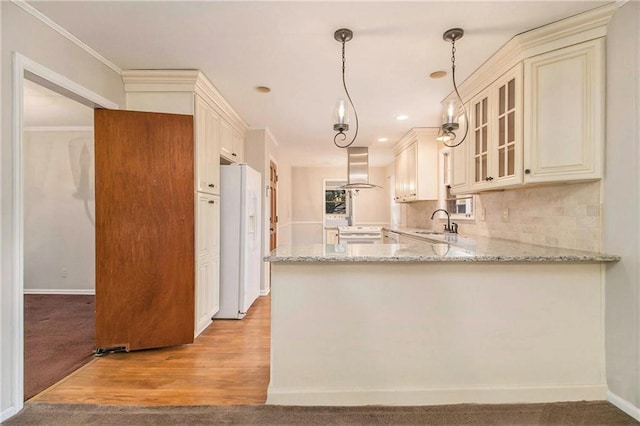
column 496, row 133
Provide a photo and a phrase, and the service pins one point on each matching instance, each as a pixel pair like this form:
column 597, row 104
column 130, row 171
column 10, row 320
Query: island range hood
column 358, row 169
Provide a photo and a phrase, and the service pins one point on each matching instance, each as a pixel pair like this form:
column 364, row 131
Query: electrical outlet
column 505, row 215
column 64, row 273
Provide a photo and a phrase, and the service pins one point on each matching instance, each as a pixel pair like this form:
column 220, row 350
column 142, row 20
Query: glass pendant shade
column 340, row 116
column 452, row 109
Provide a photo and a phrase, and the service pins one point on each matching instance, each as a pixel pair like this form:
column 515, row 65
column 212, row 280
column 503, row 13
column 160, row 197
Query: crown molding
column 566, row 32
column 412, row 135
column 181, row 81
column 22, row 4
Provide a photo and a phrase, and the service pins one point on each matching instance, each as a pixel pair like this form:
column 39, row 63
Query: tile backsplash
column 563, row 215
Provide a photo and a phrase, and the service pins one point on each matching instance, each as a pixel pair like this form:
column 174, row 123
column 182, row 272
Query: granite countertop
column 436, row 248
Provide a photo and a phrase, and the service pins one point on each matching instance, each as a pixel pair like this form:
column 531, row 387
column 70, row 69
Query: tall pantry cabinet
column 190, row 92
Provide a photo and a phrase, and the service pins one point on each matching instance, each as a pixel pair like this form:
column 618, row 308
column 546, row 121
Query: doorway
column 25, row 73
column 59, row 236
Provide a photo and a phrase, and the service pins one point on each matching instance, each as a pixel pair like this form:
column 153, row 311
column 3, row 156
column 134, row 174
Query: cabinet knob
column 211, row 185
column 234, row 154
column 488, row 178
column 527, row 171
column 211, row 202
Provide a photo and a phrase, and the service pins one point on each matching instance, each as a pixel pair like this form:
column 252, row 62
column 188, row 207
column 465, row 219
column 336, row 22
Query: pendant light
column 341, row 125
column 453, row 108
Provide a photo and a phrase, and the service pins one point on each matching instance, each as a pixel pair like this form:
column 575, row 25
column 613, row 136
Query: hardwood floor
column 227, row 365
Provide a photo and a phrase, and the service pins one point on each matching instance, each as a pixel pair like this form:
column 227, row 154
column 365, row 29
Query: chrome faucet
column 449, row 227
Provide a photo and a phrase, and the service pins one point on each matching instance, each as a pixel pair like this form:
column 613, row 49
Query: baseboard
column 265, row 292
column 9, row 412
column 83, row 292
column 436, row 396
column 624, row 405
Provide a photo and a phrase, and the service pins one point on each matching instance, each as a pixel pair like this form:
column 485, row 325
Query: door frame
column 25, row 68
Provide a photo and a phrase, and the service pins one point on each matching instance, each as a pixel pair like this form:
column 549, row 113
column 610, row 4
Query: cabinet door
column 226, row 140
column 411, row 175
column 506, row 139
column 564, row 117
column 398, row 172
column 238, row 148
column 479, row 133
column 459, row 166
column 207, row 148
column 207, row 253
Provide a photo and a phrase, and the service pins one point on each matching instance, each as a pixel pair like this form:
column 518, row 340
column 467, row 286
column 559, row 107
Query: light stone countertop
column 436, row 248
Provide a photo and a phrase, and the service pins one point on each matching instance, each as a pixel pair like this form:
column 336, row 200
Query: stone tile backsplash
column 564, row 215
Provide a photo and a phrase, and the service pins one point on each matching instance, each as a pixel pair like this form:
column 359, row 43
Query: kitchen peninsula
column 471, row 320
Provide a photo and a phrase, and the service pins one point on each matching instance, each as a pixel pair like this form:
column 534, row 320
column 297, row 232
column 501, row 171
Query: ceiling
column 289, row 47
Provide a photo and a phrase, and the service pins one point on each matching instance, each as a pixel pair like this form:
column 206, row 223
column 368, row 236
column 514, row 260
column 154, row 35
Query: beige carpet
column 565, row 413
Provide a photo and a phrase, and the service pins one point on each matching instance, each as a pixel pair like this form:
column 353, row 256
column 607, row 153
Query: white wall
column 370, row 206
column 621, row 212
column 23, row 33
column 59, row 231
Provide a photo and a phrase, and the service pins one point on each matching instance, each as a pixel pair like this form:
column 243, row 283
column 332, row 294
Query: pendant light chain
column 355, row 113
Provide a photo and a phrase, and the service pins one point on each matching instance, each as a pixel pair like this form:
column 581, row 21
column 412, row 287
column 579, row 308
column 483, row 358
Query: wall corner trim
column 624, row 405
column 63, row 32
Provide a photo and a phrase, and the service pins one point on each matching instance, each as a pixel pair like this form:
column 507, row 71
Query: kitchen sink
column 429, row 233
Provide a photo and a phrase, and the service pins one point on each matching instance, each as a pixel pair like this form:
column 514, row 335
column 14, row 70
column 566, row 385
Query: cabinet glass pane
column 501, row 139
column 484, row 111
column 478, row 169
column 477, row 115
column 501, row 100
column 484, row 139
column 484, row 167
column 478, row 138
column 511, row 159
column 512, row 94
column 511, row 126
column 501, row 168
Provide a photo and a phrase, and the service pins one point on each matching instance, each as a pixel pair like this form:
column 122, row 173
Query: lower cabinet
column 207, row 259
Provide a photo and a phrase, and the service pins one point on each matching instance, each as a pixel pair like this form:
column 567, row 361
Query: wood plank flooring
column 227, row 365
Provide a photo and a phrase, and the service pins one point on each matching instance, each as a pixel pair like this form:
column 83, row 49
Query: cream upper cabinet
column 231, row 143
column 542, row 120
column 238, row 147
column 207, row 134
column 495, row 132
column 564, row 116
column 459, row 180
column 416, row 166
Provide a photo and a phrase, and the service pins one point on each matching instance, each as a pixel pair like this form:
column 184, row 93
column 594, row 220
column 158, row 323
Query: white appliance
column 240, row 251
column 360, row 234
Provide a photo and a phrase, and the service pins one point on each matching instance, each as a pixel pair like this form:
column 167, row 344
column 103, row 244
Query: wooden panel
column 144, row 229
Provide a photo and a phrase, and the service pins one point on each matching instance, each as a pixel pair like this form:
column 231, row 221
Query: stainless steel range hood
column 358, row 169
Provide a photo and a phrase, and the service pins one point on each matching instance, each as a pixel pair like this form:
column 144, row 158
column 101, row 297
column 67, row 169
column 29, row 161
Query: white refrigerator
column 240, row 239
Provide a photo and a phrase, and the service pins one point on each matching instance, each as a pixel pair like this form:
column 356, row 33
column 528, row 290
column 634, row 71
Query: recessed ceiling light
column 438, row 74
column 262, row 89
column 401, row 117
column 383, row 139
